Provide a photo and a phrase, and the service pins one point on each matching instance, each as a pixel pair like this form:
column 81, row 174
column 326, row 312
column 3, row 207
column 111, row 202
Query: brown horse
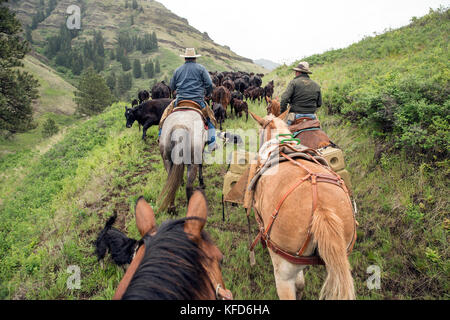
column 273, row 107
column 177, row 262
column 309, row 215
column 310, row 133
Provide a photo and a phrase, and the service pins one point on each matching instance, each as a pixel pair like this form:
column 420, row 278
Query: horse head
column 271, row 126
column 180, row 253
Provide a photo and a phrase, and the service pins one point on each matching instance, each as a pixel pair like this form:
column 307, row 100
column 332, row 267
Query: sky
column 287, row 30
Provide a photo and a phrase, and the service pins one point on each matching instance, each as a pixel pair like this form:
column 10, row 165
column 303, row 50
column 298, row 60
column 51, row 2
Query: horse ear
column 197, row 207
column 285, row 114
column 258, row 119
column 145, row 217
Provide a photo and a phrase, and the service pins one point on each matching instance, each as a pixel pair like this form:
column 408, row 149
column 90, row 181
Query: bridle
column 221, row 293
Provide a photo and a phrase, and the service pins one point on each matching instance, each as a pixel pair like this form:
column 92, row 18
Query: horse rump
column 117, row 243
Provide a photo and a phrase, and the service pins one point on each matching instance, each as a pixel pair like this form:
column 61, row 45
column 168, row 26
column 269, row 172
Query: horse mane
column 172, row 267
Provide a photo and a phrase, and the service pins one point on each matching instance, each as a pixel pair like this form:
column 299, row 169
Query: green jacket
column 303, row 95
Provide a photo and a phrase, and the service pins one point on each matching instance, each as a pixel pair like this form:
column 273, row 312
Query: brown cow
column 239, row 107
column 221, row 95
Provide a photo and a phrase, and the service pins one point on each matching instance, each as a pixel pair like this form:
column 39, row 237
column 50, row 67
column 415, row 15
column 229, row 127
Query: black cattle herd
column 232, row 89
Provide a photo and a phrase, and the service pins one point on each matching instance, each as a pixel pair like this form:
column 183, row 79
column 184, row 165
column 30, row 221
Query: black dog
column 119, row 245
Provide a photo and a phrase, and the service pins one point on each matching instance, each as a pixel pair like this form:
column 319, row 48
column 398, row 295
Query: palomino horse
column 177, row 262
column 303, row 214
column 182, row 140
column 273, row 107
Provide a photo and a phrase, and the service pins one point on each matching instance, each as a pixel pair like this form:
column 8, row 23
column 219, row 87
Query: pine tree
column 99, row 44
column 49, row 128
column 28, row 34
column 77, row 64
column 157, row 67
column 149, row 69
column 135, row 5
column 132, row 20
column 124, row 83
column 126, row 64
column 111, row 81
column 154, row 41
column 137, row 69
column 17, row 88
column 92, row 95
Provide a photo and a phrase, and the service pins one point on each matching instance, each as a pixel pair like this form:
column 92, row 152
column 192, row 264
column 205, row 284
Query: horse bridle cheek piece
column 223, row 294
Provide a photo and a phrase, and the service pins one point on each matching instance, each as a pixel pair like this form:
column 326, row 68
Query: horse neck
column 169, row 273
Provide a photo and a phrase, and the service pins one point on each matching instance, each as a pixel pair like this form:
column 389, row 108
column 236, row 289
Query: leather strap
column 264, row 234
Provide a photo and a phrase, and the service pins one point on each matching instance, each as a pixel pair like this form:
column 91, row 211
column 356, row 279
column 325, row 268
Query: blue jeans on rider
column 211, row 129
column 302, row 115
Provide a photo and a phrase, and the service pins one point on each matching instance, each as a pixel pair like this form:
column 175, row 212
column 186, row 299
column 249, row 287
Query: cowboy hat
column 190, row 53
column 303, row 67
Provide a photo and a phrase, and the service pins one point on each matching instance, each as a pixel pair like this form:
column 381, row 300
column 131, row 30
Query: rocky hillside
column 111, row 16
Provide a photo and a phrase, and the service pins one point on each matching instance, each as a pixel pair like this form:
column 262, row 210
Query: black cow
column 147, row 114
column 143, row 96
column 256, row 81
column 219, row 113
column 161, row 90
column 268, row 90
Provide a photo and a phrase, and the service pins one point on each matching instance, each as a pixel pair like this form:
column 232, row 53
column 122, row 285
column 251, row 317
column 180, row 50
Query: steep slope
column 56, row 95
column 386, row 104
column 396, row 83
column 173, row 32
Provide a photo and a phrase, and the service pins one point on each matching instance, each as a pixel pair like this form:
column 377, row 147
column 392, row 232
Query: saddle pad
column 304, row 125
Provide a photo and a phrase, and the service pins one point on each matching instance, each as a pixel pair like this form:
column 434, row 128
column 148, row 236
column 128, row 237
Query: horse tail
column 328, row 231
column 173, row 182
column 175, row 176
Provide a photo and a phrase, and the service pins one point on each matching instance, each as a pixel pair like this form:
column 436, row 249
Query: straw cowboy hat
column 303, row 67
column 190, row 53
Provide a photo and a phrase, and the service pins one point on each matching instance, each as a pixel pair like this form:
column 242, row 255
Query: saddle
column 243, row 192
column 304, row 124
column 185, row 105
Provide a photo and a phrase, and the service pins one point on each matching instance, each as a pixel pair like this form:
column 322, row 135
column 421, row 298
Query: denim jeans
column 303, row 115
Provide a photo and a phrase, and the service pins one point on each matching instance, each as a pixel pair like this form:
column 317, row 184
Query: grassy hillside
column 56, row 95
column 55, row 101
column 62, row 200
column 386, row 103
column 54, row 201
column 396, row 83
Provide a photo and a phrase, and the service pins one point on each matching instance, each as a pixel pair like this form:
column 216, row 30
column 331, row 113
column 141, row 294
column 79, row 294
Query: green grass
column 55, row 196
column 62, row 200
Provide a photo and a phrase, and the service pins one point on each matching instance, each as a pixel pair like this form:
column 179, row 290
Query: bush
column 49, row 128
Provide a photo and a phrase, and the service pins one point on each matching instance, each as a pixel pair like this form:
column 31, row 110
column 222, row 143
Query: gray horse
column 182, row 140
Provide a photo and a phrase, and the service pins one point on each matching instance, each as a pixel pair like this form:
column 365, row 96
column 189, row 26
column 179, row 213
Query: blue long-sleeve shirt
column 192, row 82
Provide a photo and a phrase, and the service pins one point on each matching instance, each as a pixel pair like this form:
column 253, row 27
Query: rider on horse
column 302, row 94
column 192, row 82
